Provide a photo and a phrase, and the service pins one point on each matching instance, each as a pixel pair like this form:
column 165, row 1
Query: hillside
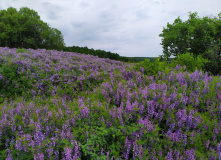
column 67, row 105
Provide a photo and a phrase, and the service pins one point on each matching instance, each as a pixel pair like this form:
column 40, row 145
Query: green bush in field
column 12, row 83
column 187, row 61
column 192, row 63
column 23, row 50
column 151, row 68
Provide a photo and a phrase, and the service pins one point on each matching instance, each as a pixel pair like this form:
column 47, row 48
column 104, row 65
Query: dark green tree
column 200, row 36
column 24, row 29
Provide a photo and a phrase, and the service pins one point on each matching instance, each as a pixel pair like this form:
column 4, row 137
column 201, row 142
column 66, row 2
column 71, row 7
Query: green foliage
column 151, row 68
column 213, row 54
column 24, row 29
column 13, row 83
column 189, row 61
column 23, row 50
column 200, row 36
column 152, row 59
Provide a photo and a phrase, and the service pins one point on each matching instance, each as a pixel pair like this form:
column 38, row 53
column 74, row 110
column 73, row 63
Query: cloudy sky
column 130, row 28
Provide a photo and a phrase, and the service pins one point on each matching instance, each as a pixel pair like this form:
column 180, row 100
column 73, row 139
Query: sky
column 129, row 28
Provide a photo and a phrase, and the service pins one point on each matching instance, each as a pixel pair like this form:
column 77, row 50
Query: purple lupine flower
column 102, row 119
column 142, row 69
column 63, row 135
column 147, row 123
column 219, row 156
column 108, row 124
column 190, row 118
column 40, row 156
column 85, row 112
column 141, row 109
column 184, row 139
column 135, row 150
column 190, row 153
column 68, row 152
column 53, row 139
column 6, row 143
column 176, row 137
column 215, row 131
column 25, row 148
column 176, row 153
column 18, row 144
column 76, row 149
column 127, row 146
column 169, row 155
column 151, row 108
column 129, row 107
column 117, row 98
column 171, row 107
column 140, row 153
column 161, row 116
column 38, row 137
column 108, row 155
column 214, row 138
column 112, row 113
column 9, row 157
column 31, row 143
column 13, row 127
column 219, row 147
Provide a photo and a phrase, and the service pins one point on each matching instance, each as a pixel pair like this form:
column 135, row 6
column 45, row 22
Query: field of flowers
column 71, row 106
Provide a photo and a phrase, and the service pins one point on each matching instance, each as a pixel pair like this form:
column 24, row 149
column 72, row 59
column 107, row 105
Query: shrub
column 192, row 63
column 13, row 83
column 151, row 68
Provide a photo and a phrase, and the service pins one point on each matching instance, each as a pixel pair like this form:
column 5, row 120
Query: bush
column 214, row 64
column 13, row 83
column 192, row 63
column 151, row 68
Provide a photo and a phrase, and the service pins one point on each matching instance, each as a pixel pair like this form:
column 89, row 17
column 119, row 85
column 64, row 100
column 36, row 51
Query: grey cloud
column 157, row 2
column 142, row 14
column 45, row 3
column 52, row 15
column 51, row 10
column 77, row 25
column 84, row 4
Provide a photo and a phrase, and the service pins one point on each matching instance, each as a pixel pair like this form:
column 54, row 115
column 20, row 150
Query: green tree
column 200, row 36
column 24, row 29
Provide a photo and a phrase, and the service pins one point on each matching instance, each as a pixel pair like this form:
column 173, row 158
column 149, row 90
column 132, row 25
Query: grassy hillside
column 65, row 105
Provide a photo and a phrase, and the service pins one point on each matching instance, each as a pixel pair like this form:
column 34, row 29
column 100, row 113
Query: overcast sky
column 130, row 28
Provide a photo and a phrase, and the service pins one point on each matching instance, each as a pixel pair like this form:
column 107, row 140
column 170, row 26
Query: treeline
column 99, row 53
column 152, row 59
column 25, row 29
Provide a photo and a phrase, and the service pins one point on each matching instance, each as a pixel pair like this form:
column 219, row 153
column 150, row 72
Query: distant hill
column 99, row 53
column 105, row 54
column 143, row 58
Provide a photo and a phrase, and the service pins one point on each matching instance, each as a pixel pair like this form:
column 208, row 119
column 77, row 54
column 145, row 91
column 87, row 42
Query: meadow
column 71, row 106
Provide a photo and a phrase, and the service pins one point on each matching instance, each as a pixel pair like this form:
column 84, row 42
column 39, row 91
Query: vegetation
column 99, row 53
column 200, row 36
column 184, row 62
column 24, row 29
column 66, row 105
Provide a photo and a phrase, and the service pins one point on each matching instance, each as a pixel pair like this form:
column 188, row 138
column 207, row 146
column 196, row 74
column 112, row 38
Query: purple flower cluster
column 174, row 115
